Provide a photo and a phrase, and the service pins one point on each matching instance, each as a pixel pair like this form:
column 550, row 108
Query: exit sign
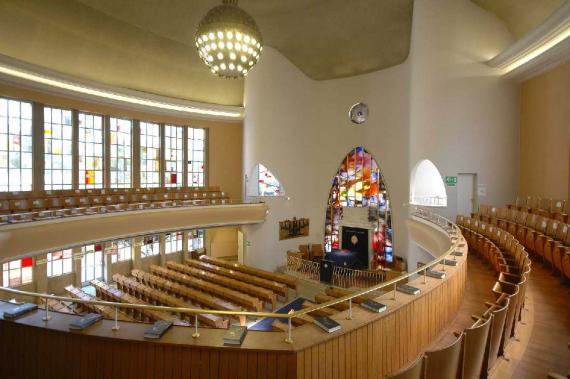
column 451, row 181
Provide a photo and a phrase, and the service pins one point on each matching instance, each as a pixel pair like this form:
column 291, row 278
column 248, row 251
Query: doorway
column 466, row 194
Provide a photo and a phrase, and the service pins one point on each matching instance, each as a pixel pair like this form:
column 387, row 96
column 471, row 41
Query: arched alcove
column 359, row 184
column 426, row 185
column 263, row 183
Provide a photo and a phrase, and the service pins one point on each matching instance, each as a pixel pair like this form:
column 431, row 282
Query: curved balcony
column 36, row 234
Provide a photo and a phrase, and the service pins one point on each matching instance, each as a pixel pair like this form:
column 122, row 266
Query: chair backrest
column 414, row 371
column 499, row 316
column 446, row 363
column 476, row 347
column 561, row 232
column 558, row 206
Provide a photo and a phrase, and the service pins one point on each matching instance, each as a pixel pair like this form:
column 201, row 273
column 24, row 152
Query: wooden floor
column 542, row 337
column 480, row 280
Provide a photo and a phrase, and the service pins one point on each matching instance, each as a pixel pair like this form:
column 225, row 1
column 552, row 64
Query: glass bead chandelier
column 228, row 40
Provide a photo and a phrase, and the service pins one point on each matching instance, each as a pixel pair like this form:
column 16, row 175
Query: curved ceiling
column 325, row 38
column 521, row 16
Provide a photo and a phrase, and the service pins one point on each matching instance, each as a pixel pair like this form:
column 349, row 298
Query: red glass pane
column 98, row 247
column 173, row 178
column 27, row 262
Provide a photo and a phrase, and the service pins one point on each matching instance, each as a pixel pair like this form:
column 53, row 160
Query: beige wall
column 545, row 135
column 221, row 242
column 69, row 37
column 224, row 138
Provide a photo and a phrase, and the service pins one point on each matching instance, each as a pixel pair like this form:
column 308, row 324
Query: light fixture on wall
column 228, row 40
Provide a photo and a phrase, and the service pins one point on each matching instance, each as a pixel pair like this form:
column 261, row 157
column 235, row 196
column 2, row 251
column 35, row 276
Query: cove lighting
column 538, row 50
column 57, row 83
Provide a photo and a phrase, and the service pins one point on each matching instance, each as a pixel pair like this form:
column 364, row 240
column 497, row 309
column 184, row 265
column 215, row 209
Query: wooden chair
column 416, row 370
column 317, row 251
column 497, row 312
column 476, row 346
column 446, row 363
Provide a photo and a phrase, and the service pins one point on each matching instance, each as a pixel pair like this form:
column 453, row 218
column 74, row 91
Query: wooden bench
column 106, row 311
column 107, row 292
column 289, row 281
column 259, row 292
column 278, row 288
column 187, row 293
column 249, row 302
column 156, row 296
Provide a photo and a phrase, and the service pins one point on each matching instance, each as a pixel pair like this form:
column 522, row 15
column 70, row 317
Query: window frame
column 18, row 266
column 66, row 258
column 82, row 166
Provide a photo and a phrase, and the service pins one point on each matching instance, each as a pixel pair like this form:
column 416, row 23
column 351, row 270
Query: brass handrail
column 419, row 212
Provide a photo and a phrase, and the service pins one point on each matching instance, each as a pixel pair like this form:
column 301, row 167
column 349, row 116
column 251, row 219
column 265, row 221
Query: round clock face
column 358, row 113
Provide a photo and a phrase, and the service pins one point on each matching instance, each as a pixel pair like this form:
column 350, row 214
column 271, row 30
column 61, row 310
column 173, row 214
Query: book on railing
column 373, row 306
column 435, row 274
column 235, row 335
column 410, row 290
column 85, row 321
column 157, row 330
column 457, row 253
column 449, row 262
column 327, row 324
column 20, row 310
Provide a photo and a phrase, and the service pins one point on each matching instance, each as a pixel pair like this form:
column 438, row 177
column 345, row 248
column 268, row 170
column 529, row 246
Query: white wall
column 463, row 116
column 442, row 104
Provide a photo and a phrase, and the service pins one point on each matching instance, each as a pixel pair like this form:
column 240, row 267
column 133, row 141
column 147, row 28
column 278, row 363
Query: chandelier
column 228, row 40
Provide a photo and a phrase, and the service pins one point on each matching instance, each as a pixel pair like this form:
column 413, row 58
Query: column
column 40, row 273
column 136, row 154
column 162, row 239
column 185, row 251
column 38, row 147
column 77, row 265
column 108, row 260
column 137, row 243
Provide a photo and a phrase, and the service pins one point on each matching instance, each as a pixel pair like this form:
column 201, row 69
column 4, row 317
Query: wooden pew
column 164, row 299
column 278, row 288
column 322, row 298
column 249, row 302
column 320, row 312
column 106, row 311
column 289, row 281
column 338, row 292
column 185, row 292
column 107, row 292
column 259, row 292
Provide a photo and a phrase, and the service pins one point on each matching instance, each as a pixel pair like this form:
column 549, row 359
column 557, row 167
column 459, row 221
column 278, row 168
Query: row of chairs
column 476, row 350
column 545, row 238
column 539, row 203
column 37, row 202
column 105, row 310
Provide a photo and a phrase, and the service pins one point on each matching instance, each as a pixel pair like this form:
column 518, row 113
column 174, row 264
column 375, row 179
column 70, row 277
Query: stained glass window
column 173, row 155
column 196, row 157
column 150, row 246
column 121, row 157
column 121, row 250
column 17, row 272
column 150, row 155
column 196, row 239
column 173, row 242
column 90, row 151
column 59, row 262
column 92, row 263
column 15, row 145
column 58, row 154
column 359, row 183
column 267, row 183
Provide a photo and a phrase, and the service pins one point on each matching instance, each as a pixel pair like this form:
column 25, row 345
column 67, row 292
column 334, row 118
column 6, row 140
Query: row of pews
column 206, row 282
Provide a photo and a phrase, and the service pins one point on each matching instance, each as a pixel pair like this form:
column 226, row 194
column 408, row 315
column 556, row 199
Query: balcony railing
column 390, row 285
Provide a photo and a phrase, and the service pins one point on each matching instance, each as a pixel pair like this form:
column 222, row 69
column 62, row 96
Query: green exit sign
column 451, row 181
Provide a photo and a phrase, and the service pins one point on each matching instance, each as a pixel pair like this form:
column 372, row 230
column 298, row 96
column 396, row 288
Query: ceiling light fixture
column 230, row 30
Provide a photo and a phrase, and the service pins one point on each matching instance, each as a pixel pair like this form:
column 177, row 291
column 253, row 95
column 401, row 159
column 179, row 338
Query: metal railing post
column 46, row 317
column 289, row 338
column 349, row 317
column 116, row 325
column 394, row 298
column 196, row 334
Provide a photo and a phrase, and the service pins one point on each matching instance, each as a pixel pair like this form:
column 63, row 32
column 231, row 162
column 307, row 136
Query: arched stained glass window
column 267, row 183
column 358, row 183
